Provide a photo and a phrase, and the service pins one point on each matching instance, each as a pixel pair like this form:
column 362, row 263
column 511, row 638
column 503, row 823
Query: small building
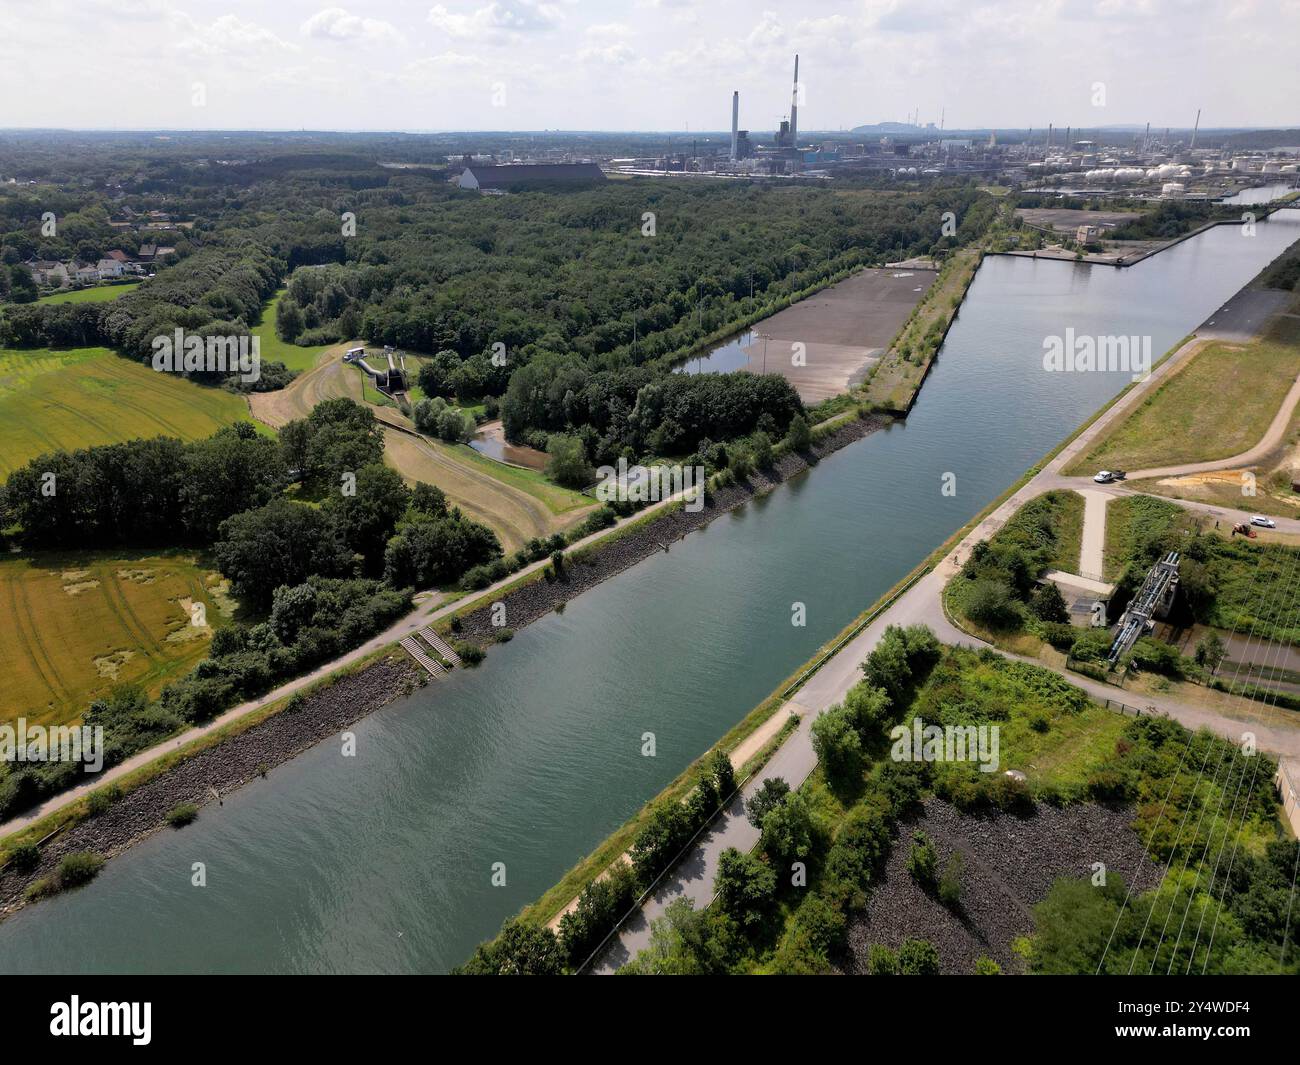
column 520, row 177
column 108, row 269
column 1088, row 234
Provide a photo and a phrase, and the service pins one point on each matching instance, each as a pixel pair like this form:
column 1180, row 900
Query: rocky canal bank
column 216, row 771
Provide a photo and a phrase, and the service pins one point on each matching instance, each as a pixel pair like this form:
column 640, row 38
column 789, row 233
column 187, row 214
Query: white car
column 1104, row 477
column 1263, row 522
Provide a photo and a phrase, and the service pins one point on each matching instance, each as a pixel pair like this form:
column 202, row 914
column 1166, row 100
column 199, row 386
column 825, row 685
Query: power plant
column 735, row 122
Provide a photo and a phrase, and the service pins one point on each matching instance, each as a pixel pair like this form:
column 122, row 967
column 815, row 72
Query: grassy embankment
column 893, row 382
column 1219, row 404
column 82, row 622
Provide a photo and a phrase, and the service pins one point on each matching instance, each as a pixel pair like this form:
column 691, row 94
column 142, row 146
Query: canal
column 384, row 862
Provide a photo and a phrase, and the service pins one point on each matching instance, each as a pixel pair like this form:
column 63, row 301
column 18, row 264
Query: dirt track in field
column 515, row 516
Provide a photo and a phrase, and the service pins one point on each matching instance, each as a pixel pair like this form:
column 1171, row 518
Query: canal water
column 1262, row 194
column 385, row 862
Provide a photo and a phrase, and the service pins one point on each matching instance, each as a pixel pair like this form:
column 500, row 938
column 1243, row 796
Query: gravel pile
column 223, row 767
column 1010, row 862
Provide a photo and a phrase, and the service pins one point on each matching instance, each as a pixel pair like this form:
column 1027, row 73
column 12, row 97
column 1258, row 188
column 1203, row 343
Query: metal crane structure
column 1155, row 596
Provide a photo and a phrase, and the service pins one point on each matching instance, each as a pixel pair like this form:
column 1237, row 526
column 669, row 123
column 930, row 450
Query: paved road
column 1093, row 548
column 922, row 604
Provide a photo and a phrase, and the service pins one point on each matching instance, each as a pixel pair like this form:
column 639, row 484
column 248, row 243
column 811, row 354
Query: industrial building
column 502, row 179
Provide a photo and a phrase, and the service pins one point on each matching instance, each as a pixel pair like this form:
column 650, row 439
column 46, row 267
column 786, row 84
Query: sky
column 645, row 64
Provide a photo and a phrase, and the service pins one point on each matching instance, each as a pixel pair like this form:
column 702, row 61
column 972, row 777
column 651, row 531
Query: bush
column 950, row 882
column 917, row 957
column 798, row 437
column 99, row 801
column 1060, row 635
column 923, row 861
column 1048, row 604
column 746, row 887
column 770, row 795
column 1092, row 646
column 989, row 602
column 881, row 961
column 181, row 815
column 470, row 654
column 1154, row 656
column 568, row 462
column 600, row 906
column 77, row 868
column 24, row 857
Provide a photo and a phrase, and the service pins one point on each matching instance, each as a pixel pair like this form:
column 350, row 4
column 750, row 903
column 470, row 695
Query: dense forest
column 528, row 299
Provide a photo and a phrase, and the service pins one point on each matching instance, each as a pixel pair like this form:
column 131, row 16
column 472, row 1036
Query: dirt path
column 1093, row 549
column 513, row 515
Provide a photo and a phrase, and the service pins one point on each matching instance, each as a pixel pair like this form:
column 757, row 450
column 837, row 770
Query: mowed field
column 83, row 396
column 77, row 624
column 517, row 505
column 274, row 349
column 97, row 294
column 1218, row 405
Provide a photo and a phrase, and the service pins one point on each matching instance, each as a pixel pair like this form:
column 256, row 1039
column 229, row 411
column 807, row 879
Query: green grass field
column 51, row 400
column 77, row 624
column 276, row 350
column 98, row 294
column 1218, row 405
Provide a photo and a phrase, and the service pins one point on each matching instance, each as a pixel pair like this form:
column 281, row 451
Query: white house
column 108, row 268
column 87, row 274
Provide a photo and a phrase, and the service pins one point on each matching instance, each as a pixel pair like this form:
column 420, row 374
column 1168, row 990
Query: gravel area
column 1010, row 862
column 220, row 769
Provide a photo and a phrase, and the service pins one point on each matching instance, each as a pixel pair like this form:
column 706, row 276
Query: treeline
column 637, row 412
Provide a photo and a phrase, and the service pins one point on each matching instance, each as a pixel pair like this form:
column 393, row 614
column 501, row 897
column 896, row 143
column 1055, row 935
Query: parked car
column 1104, row 477
column 1263, row 522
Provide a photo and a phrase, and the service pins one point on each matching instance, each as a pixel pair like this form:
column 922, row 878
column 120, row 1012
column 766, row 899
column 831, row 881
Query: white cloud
column 336, row 24
column 497, row 22
column 617, row 53
column 229, row 35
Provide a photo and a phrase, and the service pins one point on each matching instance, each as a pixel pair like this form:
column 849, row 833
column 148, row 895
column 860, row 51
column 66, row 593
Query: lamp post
column 765, row 337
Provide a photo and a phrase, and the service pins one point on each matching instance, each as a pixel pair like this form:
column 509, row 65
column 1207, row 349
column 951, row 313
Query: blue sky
column 644, row 64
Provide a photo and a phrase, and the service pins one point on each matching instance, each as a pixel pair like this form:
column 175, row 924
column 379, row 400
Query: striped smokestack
column 794, row 107
column 735, row 122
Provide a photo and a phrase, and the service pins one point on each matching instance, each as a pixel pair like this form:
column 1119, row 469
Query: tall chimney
column 735, row 122
column 1195, row 129
column 794, row 107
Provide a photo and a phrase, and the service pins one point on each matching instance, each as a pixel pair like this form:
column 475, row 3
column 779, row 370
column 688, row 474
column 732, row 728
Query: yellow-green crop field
column 84, row 396
column 79, row 623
